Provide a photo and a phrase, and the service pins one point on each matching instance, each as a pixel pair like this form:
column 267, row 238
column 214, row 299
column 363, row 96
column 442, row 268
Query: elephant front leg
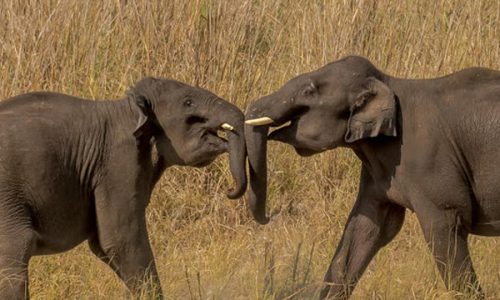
column 134, row 263
column 122, row 242
column 447, row 239
column 128, row 252
column 371, row 225
column 13, row 277
column 16, row 249
column 95, row 247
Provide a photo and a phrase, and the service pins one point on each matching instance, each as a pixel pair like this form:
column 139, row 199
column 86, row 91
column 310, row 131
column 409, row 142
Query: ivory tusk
column 259, row 121
column 227, row 126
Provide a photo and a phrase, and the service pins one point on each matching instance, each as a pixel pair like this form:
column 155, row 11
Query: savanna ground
column 206, row 246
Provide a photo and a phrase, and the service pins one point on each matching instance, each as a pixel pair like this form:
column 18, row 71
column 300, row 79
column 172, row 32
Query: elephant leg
column 122, row 242
column 96, row 248
column 371, row 225
column 447, row 238
column 15, row 253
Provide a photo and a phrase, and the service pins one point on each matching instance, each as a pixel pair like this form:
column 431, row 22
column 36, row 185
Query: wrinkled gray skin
column 430, row 146
column 74, row 170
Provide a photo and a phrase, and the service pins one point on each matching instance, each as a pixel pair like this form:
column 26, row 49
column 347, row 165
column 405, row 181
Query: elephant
column 73, row 170
column 426, row 145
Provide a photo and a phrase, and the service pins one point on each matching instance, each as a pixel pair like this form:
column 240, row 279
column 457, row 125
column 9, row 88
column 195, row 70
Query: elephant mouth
column 288, row 133
column 212, row 143
column 284, row 131
column 216, row 141
column 218, row 135
column 287, row 125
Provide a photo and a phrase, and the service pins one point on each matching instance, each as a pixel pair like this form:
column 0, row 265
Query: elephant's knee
column 96, row 248
column 393, row 223
column 111, row 252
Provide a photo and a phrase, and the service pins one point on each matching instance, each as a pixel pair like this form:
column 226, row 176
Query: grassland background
column 206, row 246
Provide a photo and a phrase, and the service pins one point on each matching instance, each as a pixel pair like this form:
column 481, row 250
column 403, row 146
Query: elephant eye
column 188, row 102
column 309, row 90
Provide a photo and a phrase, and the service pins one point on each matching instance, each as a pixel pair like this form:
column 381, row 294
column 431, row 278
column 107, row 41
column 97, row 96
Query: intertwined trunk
column 237, row 159
column 256, row 139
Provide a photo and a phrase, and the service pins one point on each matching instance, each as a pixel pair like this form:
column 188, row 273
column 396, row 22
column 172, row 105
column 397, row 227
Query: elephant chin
column 305, row 152
column 204, row 158
column 288, row 135
column 203, row 163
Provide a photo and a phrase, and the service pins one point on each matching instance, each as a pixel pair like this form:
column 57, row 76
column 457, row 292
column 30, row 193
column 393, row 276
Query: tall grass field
column 206, row 246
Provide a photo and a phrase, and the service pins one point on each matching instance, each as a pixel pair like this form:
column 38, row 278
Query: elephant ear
column 147, row 118
column 373, row 112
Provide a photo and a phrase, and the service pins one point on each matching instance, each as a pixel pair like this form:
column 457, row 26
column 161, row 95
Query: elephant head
column 340, row 104
column 185, row 123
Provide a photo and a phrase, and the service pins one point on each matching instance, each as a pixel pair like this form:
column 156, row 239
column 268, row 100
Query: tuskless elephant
column 430, row 146
column 73, row 170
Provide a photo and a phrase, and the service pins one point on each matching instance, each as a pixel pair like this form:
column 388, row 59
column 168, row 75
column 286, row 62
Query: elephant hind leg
column 447, row 238
column 15, row 253
column 371, row 225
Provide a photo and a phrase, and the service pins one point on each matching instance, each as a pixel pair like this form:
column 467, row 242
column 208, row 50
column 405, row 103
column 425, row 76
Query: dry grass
column 206, row 246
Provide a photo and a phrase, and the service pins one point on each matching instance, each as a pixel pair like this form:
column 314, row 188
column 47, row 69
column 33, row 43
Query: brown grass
column 206, row 246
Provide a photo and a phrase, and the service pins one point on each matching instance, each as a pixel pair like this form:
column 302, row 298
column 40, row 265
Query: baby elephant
column 429, row 146
column 74, row 170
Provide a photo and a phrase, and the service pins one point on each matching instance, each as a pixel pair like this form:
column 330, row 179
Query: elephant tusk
column 227, row 126
column 259, row 121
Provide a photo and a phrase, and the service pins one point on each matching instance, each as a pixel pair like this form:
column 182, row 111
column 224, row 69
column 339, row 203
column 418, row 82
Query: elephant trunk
column 237, row 158
column 256, row 140
column 259, row 117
